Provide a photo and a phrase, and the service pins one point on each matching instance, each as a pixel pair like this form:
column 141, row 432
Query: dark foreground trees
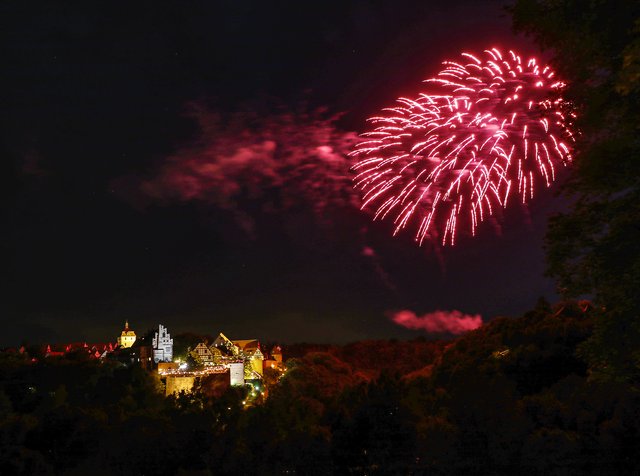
column 594, row 248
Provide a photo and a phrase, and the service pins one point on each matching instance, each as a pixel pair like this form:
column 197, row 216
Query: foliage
column 371, row 357
column 593, row 249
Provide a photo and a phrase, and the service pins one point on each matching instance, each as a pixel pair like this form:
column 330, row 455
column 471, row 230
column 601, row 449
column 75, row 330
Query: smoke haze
column 449, row 322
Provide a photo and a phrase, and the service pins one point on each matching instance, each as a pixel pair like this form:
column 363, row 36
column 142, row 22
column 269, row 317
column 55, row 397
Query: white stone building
column 162, row 345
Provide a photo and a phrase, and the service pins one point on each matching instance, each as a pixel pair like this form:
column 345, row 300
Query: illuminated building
column 242, row 357
column 246, row 351
column 236, row 373
column 162, row 345
column 127, row 338
column 276, row 353
column 225, row 345
column 274, row 360
column 206, row 355
column 250, row 349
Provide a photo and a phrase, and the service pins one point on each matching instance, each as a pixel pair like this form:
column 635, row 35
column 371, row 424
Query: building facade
column 162, row 345
column 127, row 337
column 242, row 357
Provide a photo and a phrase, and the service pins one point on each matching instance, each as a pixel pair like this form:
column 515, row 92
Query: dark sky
column 95, row 98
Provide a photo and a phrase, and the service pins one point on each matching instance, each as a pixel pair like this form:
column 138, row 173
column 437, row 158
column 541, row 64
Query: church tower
column 127, row 338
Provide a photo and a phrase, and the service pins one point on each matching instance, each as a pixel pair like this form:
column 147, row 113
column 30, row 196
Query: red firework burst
column 488, row 129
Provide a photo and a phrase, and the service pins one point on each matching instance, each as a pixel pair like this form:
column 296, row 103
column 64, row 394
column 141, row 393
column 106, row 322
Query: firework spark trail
column 491, row 127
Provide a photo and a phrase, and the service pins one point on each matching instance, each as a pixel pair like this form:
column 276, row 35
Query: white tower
column 162, row 345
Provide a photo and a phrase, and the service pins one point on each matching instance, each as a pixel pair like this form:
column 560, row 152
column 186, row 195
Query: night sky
column 97, row 99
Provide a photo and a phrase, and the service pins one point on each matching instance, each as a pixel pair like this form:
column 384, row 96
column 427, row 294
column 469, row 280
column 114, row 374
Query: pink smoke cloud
column 245, row 163
column 438, row 322
column 368, row 251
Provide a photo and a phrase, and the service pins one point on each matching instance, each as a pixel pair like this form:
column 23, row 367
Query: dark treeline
column 370, row 358
column 512, row 394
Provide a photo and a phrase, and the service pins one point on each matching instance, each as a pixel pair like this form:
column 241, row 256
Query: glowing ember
column 490, row 127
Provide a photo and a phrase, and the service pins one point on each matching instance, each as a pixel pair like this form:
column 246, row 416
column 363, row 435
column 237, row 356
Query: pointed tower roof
column 127, row 331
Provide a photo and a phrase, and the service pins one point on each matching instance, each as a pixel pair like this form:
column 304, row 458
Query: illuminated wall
column 236, row 371
column 177, row 384
column 256, row 364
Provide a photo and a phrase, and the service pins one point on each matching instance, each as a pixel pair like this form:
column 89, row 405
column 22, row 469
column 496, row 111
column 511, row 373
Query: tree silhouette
column 593, row 249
